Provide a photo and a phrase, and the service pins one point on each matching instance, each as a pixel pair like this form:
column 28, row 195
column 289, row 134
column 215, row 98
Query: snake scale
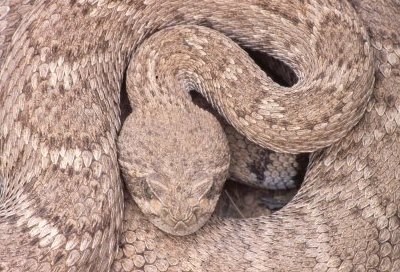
column 62, row 206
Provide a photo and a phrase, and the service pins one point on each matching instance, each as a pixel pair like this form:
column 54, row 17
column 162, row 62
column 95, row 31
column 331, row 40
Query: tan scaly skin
column 177, row 184
column 253, row 165
column 62, row 204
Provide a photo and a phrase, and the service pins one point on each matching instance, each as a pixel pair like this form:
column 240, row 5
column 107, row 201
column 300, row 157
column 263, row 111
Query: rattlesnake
column 177, row 184
column 62, row 205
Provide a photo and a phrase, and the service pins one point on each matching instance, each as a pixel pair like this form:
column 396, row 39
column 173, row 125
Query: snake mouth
column 180, row 227
column 183, row 228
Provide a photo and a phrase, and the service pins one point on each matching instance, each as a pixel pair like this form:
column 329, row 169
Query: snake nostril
column 164, row 211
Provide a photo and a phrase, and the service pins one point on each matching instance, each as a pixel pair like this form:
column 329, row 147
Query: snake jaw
column 178, row 211
column 181, row 223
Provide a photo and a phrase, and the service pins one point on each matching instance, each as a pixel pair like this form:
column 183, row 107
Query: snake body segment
column 62, row 206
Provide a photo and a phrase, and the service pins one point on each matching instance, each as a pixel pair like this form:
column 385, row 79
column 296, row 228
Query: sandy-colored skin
column 174, row 155
column 62, row 205
column 256, row 166
column 176, row 184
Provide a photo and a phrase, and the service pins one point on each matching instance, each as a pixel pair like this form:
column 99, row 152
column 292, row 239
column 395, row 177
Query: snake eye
column 202, row 188
column 147, row 190
column 154, row 186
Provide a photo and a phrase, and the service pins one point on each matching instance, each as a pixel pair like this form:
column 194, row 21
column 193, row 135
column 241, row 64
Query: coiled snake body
column 61, row 204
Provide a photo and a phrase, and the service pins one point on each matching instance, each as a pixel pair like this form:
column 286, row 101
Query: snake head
column 174, row 165
column 178, row 207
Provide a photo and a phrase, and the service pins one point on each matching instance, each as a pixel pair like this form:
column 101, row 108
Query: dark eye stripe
column 147, row 191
